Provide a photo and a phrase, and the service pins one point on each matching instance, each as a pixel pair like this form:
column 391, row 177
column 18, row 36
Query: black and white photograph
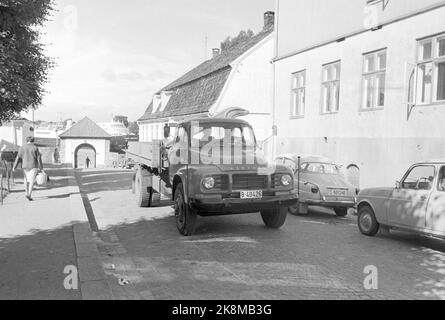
column 222, row 156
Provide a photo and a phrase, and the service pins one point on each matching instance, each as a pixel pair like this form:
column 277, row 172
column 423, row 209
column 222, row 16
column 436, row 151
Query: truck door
column 436, row 207
column 408, row 203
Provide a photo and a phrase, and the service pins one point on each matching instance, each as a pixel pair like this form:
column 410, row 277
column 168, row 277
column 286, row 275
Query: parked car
column 320, row 183
column 417, row 203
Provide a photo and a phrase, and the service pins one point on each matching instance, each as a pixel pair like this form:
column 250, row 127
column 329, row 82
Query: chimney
column 269, row 20
column 216, row 52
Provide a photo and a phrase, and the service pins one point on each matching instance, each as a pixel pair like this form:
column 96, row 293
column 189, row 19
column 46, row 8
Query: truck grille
column 221, row 182
column 249, row 182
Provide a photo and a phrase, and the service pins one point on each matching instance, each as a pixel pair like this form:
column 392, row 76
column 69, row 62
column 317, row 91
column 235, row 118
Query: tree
column 134, row 128
column 121, row 119
column 232, row 42
column 23, row 65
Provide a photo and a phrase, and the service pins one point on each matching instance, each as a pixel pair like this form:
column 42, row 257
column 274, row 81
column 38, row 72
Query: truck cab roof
column 216, row 121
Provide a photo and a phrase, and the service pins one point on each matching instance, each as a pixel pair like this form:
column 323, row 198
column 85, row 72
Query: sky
column 112, row 55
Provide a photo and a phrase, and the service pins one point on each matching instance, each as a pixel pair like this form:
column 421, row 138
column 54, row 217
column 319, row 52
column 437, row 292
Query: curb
column 92, row 278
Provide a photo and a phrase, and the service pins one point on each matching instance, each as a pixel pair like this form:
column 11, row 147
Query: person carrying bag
column 29, row 157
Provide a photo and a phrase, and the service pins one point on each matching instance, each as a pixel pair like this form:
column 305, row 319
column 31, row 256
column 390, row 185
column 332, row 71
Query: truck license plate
column 252, row 194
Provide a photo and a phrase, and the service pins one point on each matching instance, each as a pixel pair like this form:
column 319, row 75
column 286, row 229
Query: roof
column 436, row 161
column 196, row 91
column 85, row 128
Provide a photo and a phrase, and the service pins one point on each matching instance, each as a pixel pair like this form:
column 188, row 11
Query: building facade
column 16, row 132
column 84, row 145
column 240, row 77
column 361, row 82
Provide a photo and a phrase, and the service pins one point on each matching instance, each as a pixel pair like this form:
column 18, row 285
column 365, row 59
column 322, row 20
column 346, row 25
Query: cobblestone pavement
column 318, row 256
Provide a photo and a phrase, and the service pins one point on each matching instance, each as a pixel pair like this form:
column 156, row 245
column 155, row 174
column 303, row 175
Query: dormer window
column 156, row 103
column 165, row 98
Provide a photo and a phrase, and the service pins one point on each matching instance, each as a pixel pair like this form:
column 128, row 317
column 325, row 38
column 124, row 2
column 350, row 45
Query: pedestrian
column 87, row 160
column 31, row 160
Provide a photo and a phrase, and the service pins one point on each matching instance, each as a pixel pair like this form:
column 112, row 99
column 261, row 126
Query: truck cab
column 214, row 167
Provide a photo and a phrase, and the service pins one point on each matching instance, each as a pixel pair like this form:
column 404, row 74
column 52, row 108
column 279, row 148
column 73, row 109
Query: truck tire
column 184, row 215
column 367, row 222
column 141, row 187
column 341, row 212
column 274, row 218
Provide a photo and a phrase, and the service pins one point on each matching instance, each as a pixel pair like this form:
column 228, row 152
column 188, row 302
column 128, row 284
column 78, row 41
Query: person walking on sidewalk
column 31, row 160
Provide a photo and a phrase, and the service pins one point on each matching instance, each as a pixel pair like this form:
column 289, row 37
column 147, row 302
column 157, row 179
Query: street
column 318, row 256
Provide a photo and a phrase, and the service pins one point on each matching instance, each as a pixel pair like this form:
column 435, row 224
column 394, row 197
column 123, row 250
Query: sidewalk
column 39, row 239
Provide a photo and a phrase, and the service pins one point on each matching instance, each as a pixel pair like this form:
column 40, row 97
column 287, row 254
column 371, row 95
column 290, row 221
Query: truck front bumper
column 208, row 205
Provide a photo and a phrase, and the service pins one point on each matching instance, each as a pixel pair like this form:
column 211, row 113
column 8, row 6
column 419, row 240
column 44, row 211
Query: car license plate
column 338, row 192
column 251, row 194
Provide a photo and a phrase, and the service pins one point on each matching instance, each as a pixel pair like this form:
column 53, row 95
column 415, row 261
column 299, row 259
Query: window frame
column 330, row 82
column 294, row 90
column 434, row 60
column 411, row 170
column 374, row 74
column 439, row 178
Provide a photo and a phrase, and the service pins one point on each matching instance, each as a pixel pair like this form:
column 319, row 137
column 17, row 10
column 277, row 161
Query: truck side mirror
column 166, row 131
column 398, row 186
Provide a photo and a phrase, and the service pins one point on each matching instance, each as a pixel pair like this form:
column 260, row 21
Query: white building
column 362, row 82
column 83, row 140
column 240, row 77
column 114, row 129
column 16, row 132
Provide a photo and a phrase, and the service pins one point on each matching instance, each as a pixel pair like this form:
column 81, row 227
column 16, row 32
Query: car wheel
column 274, row 218
column 341, row 212
column 294, row 209
column 184, row 215
column 367, row 223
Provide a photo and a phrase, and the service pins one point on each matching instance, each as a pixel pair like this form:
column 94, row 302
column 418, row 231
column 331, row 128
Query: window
column 420, row 178
column 431, row 70
column 324, row 168
column 298, row 93
column 374, row 79
column 331, row 88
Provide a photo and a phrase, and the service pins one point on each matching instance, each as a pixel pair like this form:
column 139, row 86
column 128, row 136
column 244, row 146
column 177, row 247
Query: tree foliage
column 232, row 42
column 134, row 128
column 121, row 119
column 23, row 64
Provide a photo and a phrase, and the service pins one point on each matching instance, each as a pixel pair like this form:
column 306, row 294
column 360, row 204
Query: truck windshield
column 223, row 134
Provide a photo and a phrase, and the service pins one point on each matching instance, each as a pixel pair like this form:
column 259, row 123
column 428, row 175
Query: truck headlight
column 208, row 183
column 286, row 180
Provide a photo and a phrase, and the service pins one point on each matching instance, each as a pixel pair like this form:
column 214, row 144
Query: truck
column 208, row 167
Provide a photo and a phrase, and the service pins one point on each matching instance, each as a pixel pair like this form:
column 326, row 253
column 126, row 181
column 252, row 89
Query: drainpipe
column 274, row 139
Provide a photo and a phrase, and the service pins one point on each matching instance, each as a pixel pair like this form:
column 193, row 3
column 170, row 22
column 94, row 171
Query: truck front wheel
column 184, row 215
column 274, row 218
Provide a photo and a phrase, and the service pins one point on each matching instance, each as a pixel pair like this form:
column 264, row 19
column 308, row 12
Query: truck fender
column 177, row 179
